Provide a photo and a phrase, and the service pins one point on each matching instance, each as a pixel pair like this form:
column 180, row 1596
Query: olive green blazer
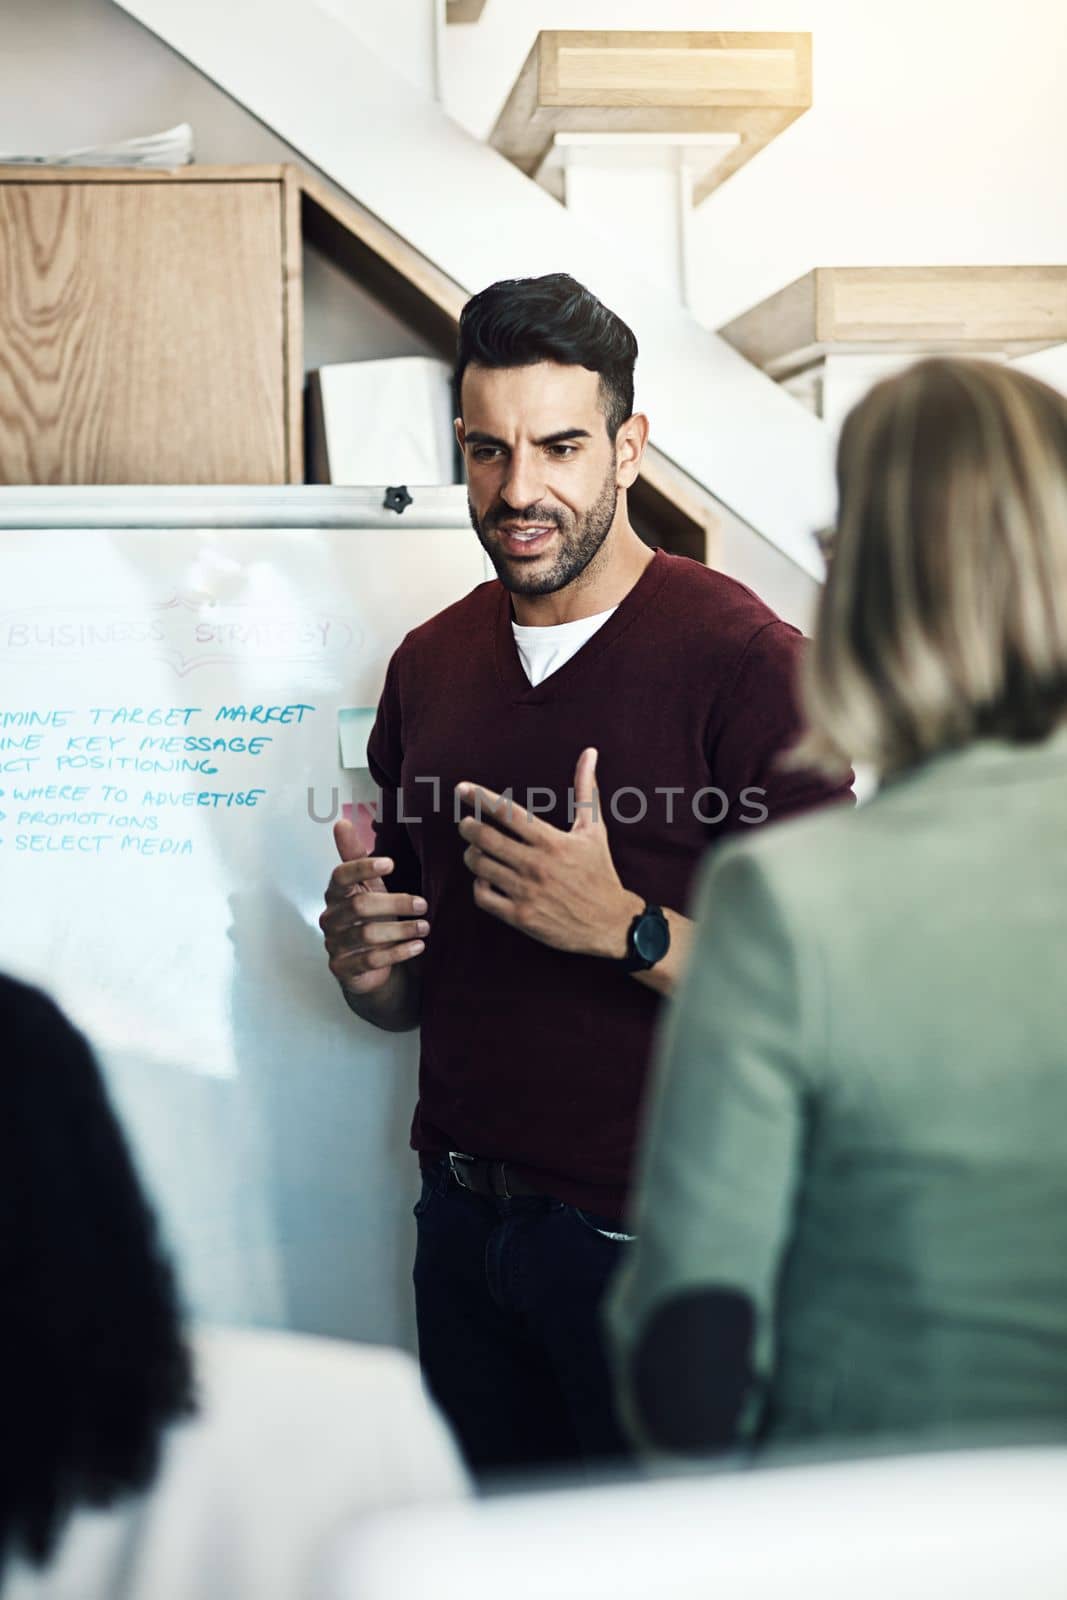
column 859, row 1112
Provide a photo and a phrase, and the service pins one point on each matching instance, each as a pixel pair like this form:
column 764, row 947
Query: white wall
column 1048, row 365
column 400, row 31
column 79, row 72
column 938, row 134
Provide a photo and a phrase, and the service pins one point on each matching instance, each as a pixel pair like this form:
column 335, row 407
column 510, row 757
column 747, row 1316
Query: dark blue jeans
column 508, row 1297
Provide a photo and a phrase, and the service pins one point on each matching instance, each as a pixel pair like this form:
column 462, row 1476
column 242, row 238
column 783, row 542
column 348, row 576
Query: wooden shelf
column 752, row 85
column 389, row 268
column 258, row 173
column 1010, row 310
column 151, row 325
column 187, row 348
column 464, row 10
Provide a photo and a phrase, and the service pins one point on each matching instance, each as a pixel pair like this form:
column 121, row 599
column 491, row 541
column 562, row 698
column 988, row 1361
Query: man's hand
column 367, row 930
column 559, row 887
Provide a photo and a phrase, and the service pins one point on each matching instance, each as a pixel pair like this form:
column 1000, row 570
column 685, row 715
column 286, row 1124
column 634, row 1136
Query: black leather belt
column 498, row 1179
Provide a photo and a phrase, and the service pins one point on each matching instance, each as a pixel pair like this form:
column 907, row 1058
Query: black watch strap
column 647, row 941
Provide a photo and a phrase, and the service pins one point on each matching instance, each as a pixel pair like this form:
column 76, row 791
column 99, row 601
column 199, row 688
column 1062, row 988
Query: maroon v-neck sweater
column 529, row 1054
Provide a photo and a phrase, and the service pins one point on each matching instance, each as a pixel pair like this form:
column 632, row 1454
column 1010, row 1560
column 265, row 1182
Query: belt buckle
column 453, row 1157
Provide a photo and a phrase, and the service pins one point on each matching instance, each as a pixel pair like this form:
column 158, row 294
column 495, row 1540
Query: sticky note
column 354, row 724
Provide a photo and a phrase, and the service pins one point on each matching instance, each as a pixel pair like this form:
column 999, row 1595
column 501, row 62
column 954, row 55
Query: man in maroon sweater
column 554, row 754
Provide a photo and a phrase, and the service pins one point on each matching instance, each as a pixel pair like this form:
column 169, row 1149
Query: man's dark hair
column 521, row 321
column 93, row 1365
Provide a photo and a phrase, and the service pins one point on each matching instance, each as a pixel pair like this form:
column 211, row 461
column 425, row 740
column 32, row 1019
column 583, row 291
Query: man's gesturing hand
column 559, row 887
column 367, row 930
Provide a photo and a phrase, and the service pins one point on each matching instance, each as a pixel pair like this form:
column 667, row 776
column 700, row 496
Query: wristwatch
column 648, row 940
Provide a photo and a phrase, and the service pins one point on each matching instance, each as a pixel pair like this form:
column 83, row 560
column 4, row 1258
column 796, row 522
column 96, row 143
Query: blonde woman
column 852, row 1217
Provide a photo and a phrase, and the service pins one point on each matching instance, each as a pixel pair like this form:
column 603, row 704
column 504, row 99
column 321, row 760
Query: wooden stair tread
column 749, row 84
column 1013, row 310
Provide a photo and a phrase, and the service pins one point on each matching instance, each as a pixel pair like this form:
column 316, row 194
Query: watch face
column 652, row 936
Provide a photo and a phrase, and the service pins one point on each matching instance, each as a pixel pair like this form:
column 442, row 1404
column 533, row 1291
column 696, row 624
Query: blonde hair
column 944, row 615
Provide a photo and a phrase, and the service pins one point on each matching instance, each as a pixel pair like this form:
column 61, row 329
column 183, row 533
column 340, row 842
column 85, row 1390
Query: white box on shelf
column 385, row 421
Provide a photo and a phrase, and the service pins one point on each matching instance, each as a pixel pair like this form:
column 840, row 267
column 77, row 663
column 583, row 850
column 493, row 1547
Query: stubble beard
column 578, row 543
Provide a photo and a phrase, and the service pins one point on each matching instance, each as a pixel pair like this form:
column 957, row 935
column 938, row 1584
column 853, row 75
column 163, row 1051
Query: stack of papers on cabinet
column 174, row 148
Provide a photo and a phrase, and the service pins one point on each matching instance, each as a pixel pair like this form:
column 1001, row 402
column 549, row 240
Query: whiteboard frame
column 225, row 506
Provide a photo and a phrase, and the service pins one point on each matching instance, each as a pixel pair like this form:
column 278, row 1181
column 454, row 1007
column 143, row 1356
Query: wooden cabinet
column 150, row 326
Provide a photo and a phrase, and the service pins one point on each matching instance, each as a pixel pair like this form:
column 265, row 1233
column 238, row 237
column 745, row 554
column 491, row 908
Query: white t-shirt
column 544, row 650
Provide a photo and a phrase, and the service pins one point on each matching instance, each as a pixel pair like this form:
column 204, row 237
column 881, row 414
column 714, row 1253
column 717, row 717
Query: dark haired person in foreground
column 100, row 1497
column 853, row 1213
column 93, row 1365
column 633, row 705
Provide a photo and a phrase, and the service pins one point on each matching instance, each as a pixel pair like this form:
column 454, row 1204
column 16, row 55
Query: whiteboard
column 165, row 848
